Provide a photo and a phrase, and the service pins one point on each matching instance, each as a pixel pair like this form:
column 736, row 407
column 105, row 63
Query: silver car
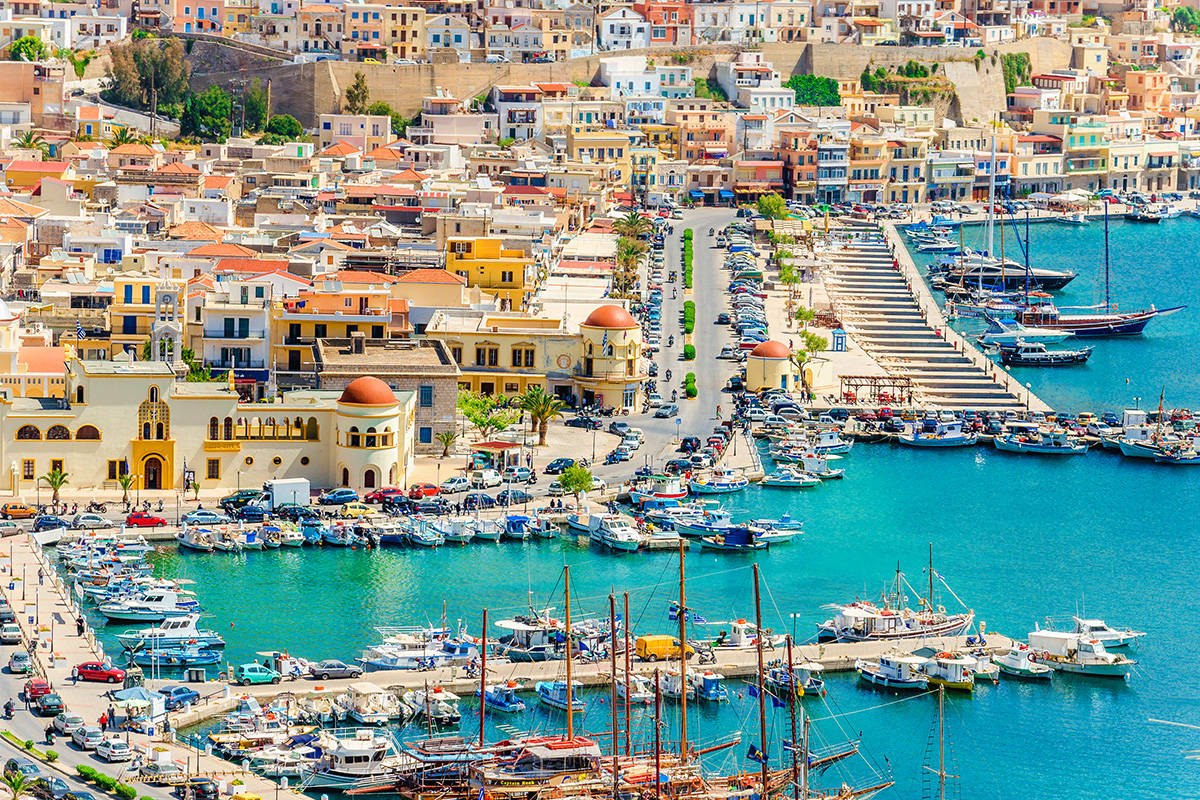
column 87, row 737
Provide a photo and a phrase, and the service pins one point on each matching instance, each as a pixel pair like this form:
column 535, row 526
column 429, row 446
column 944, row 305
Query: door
column 152, row 473
column 293, row 361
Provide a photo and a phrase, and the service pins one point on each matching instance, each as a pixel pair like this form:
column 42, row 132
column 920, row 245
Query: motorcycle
column 670, row 341
column 674, row 395
column 710, row 231
column 158, row 506
column 96, row 508
column 668, row 374
column 9, row 707
column 532, row 478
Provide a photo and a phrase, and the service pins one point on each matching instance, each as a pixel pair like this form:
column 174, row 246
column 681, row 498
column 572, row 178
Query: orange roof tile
column 222, row 250
column 41, row 359
column 256, row 265
column 429, row 275
column 196, row 231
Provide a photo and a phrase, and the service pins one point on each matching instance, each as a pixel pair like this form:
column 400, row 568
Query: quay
column 891, row 313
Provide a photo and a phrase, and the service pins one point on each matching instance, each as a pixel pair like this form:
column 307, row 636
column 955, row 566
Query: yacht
column 438, row 705
column 637, row 688
column 1105, row 634
column 1070, row 652
column 614, row 532
column 412, row 647
column 153, row 606
column 1009, row 331
column 171, row 632
column 352, row 760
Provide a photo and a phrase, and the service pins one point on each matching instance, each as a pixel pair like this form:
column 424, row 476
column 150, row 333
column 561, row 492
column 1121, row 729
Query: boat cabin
column 902, row 666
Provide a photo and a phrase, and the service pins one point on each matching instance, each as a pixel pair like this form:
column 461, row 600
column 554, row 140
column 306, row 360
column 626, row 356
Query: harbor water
column 1018, row 538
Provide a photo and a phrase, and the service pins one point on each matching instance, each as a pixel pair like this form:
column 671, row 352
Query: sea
column 1018, row 539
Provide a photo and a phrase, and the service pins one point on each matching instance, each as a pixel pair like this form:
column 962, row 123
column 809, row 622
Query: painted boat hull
column 1024, row 674
column 876, row 679
column 937, row 441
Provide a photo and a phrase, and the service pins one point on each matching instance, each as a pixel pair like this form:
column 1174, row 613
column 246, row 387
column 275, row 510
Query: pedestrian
column 103, row 722
column 79, row 626
column 74, row 675
column 41, row 576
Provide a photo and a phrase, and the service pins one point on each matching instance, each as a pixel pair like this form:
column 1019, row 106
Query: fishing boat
column 353, row 759
column 175, row 657
column 788, row 477
column 438, row 705
column 153, row 606
column 1144, row 214
column 702, row 523
column 982, row 666
column 290, row 537
column 1105, row 634
column 722, row 481
column 637, row 688
column 1070, row 652
column 488, row 530
column 1035, row 354
column 614, row 532
column 937, row 246
column 1020, row 663
column 735, row 538
column 517, row 526
column 894, row 670
column 949, row 670
column 1043, row 443
column 662, row 487
column 250, row 539
column 709, row 686
column 195, row 539
column 425, row 535
column 171, row 632
column 1008, row 331
column 674, row 686
column 1188, row 457
column 1075, row 218
column 408, row 647
column 936, row 433
column 554, row 694
column 226, row 541
column 803, row 679
column 818, row 466
column 504, row 698
column 340, row 535
column 313, row 531
column 785, row 522
column 369, row 704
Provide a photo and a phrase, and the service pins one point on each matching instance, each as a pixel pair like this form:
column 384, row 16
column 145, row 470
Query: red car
column 96, row 671
column 140, row 519
column 419, row 491
column 36, row 687
column 380, row 495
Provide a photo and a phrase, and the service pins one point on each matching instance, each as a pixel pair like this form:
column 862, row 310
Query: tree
column 485, row 413
column 196, row 489
column 805, row 315
column 122, row 136
column 18, row 784
column 254, row 101
column 208, row 115
column 1185, row 18
column 400, row 122
column 576, row 480
column 126, row 483
column 812, row 90
column 446, row 439
column 286, row 126
column 541, row 408
column 357, row 95
column 55, row 479
column 142, row 71
column 771, row 206
column 31, row 141
column 633, row 225
column 27, row 48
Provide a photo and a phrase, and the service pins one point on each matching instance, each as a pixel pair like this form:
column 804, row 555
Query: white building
column 624, row 29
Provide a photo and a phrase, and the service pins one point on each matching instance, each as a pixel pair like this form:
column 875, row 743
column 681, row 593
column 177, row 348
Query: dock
column 891, row 313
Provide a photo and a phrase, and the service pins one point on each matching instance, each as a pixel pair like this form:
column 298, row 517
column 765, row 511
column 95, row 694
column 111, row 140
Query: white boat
column 153, row 606
column 1108, row 636
column 354, row 759
column 949, row 670
column 554, row 694
column 940, row 434
column 722, row 481
column 894, row 671
column 1021, row 663
column 488, row 530
column 673, row 686
column 195, row 539
column 790, row 477
column 662, row 487
column 1075, row 218
column 369, row 704
column 638, row 689
column 438, row 705
column 864, row 621
column 1046, row 443
column 984, row 667
column 614, row 532
column 743, row 635
column 171, row 632
column 1069, row 652
column 1009, row 332
column 290, row 537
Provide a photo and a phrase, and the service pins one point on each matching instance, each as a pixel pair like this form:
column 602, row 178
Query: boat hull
column 887, row 682
column 1023, row 674
column 937, row 441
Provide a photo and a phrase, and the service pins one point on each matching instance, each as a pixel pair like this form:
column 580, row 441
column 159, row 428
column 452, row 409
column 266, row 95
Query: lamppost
column 593, row 446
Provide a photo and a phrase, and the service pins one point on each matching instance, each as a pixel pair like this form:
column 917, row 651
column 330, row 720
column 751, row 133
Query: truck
column 276, row 493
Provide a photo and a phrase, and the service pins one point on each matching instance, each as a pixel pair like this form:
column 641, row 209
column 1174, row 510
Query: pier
column 891, row 313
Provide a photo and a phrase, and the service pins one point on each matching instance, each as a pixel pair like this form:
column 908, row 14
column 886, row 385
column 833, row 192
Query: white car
column 67, row 724
column 114, row 750
column 455, row 485
column 87, row 737
column 598, row 484
column 485, row 479
column 755, row 414
column 653, row 401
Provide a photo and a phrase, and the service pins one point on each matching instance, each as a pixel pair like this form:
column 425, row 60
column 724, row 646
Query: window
column 319, row 330
column 456, row 354
column 116, row 468
column 213, row 470
column 425, row 396
column 425, row 434
column 56, row 465
column 87, row 432
column 29, row 432
column 506, row 276
column 28, row 469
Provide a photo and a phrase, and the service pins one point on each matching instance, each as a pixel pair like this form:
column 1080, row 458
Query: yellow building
column 332, row 310
column 124, row 417
column 487, row 264
column 769, row 366
column 601, row 146
column 140, row 302
column 664, row 137
column 383, row 33
column 238, row 14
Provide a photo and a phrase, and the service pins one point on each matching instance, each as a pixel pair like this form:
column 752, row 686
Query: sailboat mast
column 612, row 661
column 792, row 711
column 482, row 677
column 683, row 677
column 625, row 627
column 570, row 688
column 931, row 579
column 1107, row 301
column 762, row 698
column 1028, row 247
column 804, row 763
column 657, row 744
column 991, row 218
column 941, row 742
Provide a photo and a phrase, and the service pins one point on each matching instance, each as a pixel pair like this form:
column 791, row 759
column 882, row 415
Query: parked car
column 250, row 513
column 164, row 771
column 654, row 401
column 432, row 505
column 97, row 671
column 34, row 688
column 49, row 787
column 113, row 749
column 485, row 479
column 293, row 512
column 87, row 737
column 246, row 674
column 558, row 465
column 332, row 668
column 667, row 411
column 479, row 500
column 22, row 765
column 89, row 522
column 420, row 490
column 454, row 485
column 516, row 475
column 380, row 495
column 587, row 423
column 239, row 498
column 355, row 509
column 19, row 663
column 204, row 516
column 619, row 428
column 10, row 633
column 67, row 723
column 689, row 444
column 140, row 519
column 6, row 613
column 48, row 705
column 335, row 497
column 17, row 511
column 512, row 497
column 178, row 696
column 198, row 789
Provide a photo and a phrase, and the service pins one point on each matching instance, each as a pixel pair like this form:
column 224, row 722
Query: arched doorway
column 152, row 473
column 369, row 478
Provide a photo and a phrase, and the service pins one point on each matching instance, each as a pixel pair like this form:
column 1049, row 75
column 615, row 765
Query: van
column 485, row 479
column 660, row 646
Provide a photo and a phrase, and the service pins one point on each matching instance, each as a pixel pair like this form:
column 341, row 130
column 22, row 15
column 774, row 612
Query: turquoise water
column 1018, row 538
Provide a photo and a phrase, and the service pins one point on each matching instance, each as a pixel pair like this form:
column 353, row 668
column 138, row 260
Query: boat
column 1070, row 652
column 982, row 666
column 1144, row 214
column 709, row 686
column 517, row 526
column 1007, row 275
column 438, row 705
column 369, row 704
column 554, row 694
column 488, row 530
column 1035, row 354
column 195, row 539
column 674, row 686
column 407, row 647
column 1108, row 636
column 1020, row 662
column 722, row 481
column 637, row 688
column 352, row 759
column 504, row 698
column 735, row 538
column 226, row 542
column 803, row 680
column 290, row 537
column 250, row 539
column 175, row 657
column 313, row 531
column 742, row 635
column 949, row 670
column 935, row 433
column 818, row 466
column 937, row 246
column 662, row 487
column 340, row 535
column 788, row 477
column 1075, row 218
column 1187, row 457
column 171, row 632
column 614, row 532
column 1054, row 442
column 1009, row 331
column 782, row 523
column 153, row 606
column 894, row 670
column 425, row 535
column 700, row 523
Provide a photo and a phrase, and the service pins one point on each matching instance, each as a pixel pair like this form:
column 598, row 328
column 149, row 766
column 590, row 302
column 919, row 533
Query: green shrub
column 690, row 391
column 105, row 782
column 51, row 756
column 690, row 378
column 28, row 744
column 689, row 352
column 86, row 772
column 126, row 791
column 689, row 316
column 687, row 234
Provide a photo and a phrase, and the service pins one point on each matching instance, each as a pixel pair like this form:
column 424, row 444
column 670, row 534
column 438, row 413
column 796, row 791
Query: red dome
column 771, row 349
column 610, row 317
column 367, row 391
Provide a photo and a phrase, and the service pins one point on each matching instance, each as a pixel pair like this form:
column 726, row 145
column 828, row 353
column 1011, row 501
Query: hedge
column 51, row 756
column 687, row 234
column 126, row 791
column 691, row 391
column 689, row 316
column 689, row 352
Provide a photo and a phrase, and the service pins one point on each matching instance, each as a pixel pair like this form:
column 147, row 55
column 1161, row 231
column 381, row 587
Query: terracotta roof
column 409, row 174
column 179, row 168
column 610, row 316
column 41, row 359
column 217, row 181
column 222, row 250
column 38, row 166
column 196, row 231
column 428, row 275
column 367, row 391
column 771, row 349
column 538, row 190
column 339, row 149
column 359, row 276
column 134, row 149
column 256, row 265
column 15, row 208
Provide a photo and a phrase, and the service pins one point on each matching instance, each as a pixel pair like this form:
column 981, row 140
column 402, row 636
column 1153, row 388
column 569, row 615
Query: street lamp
column 593, row 446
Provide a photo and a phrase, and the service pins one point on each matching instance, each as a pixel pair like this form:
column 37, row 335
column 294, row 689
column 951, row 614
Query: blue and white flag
column 79, row 330
column 752, row 690
column 775, row 701
column 754, row 754
column 688, row 614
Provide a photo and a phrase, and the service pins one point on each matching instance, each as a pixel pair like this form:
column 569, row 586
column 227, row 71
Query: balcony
column 234, row 363
column 222, row 333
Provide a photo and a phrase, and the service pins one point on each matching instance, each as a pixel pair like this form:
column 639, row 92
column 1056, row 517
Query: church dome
column 367, row 391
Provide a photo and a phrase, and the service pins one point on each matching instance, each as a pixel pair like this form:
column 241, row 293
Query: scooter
column 9, row 707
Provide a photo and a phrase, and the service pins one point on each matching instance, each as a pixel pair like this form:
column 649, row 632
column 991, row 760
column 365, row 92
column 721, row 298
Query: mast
column 762, row 698
column 991, row 218
column 482, row 677
column 570, row 688
column 931, row 579
column 683, row 677
column 804, row 764
column 612, row 660
column 657, row 746
column 1028, row 247
column 792, row 712
column 625, row 626
column 941, row 742
column 1107, row 301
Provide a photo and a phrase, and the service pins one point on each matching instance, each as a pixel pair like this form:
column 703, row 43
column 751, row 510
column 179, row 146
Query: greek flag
column 604, row 343
column 673, row 615
column 79, row 330
column 752, row 690
column 775, row 701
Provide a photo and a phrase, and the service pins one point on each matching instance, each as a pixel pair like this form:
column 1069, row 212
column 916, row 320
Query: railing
column 235, row 364
column 221, row 333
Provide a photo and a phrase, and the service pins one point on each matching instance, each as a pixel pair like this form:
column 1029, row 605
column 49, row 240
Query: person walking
column 41, row 576
column 103, row 722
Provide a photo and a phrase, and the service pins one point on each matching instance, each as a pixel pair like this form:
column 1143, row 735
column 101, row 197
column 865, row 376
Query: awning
column 725, row 194
column 696, row 194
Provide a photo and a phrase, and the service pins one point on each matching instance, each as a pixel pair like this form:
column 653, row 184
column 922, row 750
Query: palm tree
column 446, row 439
column 122, row 136
column 633, row 225
column 18, row 784
column 126, row 482
column 629, row 250
column 541, row 408
column 55, row 479
column 31, row 141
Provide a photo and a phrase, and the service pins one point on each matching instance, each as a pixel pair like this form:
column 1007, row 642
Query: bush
column 689, row 352
column 86, row 772
column 28, row 744
column 51, row 756
column 126, row 791
column 687, row 234
column 105, row 782
column 690, row 378
column 690, row 391
column 689, row 316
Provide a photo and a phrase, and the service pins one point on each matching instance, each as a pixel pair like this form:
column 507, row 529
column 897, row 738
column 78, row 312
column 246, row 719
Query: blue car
column 250, row 514
column 48, row 522
column 203, row 516
column 178, row 696
column 336, row 497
